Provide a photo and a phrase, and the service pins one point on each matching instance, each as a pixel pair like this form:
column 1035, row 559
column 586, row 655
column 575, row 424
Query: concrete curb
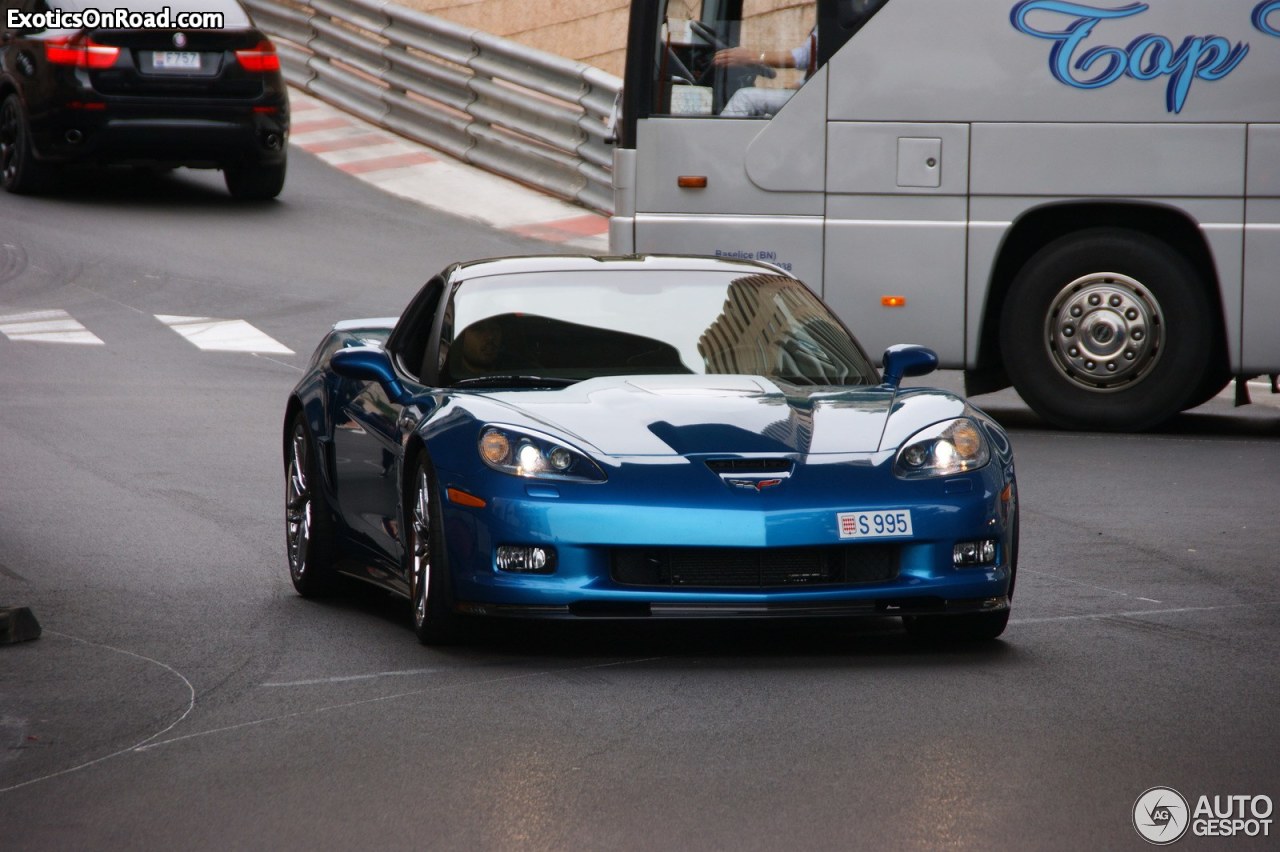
column 436, row 180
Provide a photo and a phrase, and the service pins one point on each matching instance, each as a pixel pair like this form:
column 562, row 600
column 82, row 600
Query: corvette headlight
column 522, row 453
column 943, row 449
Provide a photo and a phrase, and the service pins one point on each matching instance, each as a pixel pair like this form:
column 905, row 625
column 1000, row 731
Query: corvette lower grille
column 743, row 567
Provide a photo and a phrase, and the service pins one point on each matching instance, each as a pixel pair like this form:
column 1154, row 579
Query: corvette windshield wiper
column 515, row 382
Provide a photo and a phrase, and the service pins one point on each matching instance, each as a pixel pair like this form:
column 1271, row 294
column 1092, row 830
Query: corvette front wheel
column 430, row 589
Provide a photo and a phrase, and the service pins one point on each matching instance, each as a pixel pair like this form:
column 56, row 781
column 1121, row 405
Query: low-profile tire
column 20, row 172
column 308, row 521
column 430, row 585
column 254, row 181
column 969, row 627
column 1108, row 329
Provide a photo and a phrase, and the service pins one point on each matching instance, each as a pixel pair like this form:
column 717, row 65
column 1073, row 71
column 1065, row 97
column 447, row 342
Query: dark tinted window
column 579, row 325
column 410, row 339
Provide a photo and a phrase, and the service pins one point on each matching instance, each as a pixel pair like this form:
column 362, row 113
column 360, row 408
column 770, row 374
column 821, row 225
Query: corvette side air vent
column 724, row 466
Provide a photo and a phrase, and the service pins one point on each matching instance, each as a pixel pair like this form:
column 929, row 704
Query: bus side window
column 710, row 52
column 745, row 58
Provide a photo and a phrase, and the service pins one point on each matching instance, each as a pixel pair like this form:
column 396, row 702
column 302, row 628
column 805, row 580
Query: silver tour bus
column 1081, row 199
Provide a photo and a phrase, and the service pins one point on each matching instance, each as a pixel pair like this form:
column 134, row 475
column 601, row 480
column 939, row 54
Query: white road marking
column 1137, row 613
column 344, row 706
column 409, row 672
column 191, row 705
column 1086, row 585
column 281, row 363
column 55, row 326
column 224, row 335
column 348, row 678
column 384, row 698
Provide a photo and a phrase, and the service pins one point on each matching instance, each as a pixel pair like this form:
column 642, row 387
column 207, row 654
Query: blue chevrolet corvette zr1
column 642, row 437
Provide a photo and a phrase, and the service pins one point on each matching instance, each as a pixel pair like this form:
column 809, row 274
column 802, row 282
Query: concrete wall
column 590, row 31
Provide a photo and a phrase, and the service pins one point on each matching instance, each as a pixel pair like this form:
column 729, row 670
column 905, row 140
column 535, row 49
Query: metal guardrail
column 529, row 115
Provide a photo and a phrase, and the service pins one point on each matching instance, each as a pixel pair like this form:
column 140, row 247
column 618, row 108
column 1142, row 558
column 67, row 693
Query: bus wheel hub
column 1104, row 331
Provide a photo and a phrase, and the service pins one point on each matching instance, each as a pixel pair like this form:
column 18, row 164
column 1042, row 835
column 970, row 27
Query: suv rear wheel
column 254, row 181
column 20, row 172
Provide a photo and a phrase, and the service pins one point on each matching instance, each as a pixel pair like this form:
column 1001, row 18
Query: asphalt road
column 183, row 697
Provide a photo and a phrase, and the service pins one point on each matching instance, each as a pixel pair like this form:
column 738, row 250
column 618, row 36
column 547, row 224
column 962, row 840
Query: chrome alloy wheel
column 1104, row 331
column 421, row 548
column 298, row 503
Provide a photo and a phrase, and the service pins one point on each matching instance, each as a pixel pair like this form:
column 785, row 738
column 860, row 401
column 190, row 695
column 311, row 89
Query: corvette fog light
column 526, row 560
column 968, row 554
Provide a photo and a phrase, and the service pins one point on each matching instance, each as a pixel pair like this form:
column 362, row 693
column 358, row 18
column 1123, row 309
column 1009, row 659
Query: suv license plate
column 174, row 60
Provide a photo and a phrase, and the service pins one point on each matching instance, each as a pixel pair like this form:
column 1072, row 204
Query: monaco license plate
column 883, row 523
column 175, row 60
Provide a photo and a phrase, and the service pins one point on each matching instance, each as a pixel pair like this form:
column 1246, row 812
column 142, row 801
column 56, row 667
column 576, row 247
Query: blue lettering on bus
column 1147, row 57
column 1262, row 15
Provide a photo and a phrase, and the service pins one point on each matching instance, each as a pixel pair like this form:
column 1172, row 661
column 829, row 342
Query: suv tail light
column 262, row 57
column 79, row 51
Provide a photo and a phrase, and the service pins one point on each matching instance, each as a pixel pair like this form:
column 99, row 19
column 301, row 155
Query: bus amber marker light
column 893, row 301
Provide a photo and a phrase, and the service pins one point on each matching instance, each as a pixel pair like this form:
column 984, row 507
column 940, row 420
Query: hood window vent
column 724, row 466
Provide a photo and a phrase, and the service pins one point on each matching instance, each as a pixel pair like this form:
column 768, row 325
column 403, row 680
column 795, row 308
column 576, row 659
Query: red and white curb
column 437, row 180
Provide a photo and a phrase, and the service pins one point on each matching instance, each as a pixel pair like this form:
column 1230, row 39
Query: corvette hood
column 690, row 415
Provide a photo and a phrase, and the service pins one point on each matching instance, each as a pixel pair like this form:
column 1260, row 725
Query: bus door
column 1261, row 342
column 728, row 125
column 897, row 219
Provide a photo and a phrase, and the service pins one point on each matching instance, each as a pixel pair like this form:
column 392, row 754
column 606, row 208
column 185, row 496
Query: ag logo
column 1161, row 815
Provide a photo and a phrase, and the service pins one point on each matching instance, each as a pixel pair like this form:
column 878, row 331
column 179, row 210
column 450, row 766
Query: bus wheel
column 1108, row 329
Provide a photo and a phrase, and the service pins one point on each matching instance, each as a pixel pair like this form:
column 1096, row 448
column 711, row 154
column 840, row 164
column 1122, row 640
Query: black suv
column 130, row 86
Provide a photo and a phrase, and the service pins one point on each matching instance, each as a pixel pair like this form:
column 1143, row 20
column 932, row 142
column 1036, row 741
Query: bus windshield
column 744, row 58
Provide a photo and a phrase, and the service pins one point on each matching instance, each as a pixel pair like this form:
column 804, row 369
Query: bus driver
column 758, row 100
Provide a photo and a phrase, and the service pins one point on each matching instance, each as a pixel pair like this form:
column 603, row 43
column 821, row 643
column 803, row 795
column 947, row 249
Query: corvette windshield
column 583, row 324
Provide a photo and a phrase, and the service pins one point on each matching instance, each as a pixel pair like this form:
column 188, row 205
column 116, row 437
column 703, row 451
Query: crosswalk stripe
column 224, row 335
column 54, row 326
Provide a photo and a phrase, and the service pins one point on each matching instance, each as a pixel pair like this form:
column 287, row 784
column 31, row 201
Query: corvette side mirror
column 907, row 359
column 369, row 364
